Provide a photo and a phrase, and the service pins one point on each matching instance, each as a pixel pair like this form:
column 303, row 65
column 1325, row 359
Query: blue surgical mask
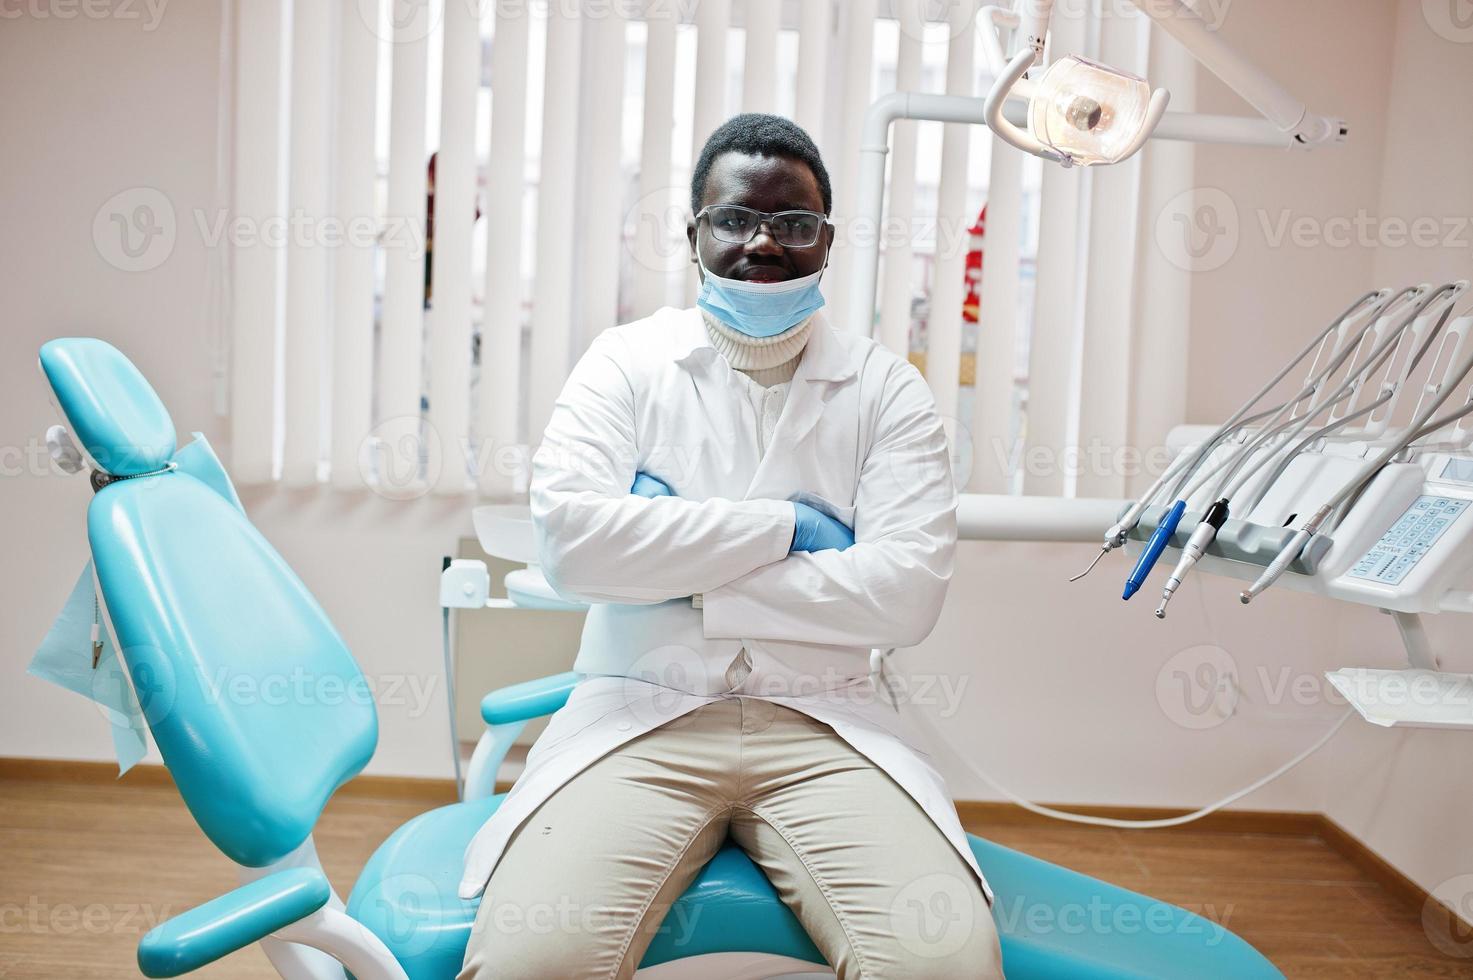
column 759, row 309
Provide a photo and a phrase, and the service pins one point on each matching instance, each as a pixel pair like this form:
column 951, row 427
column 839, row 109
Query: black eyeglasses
column 736, row 225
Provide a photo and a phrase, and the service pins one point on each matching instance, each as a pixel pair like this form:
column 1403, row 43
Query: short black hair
column 760, row 134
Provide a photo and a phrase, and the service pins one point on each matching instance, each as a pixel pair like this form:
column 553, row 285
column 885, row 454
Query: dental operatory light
column 1061, row 106
column 1080, row 113
column 1089, row 113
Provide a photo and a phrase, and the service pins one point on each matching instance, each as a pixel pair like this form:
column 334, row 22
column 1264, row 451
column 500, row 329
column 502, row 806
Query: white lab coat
column 858, row 437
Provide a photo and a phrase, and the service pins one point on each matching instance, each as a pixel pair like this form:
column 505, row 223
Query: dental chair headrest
column 110, row 407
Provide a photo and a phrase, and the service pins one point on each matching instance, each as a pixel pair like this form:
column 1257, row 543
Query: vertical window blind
column 524, row 172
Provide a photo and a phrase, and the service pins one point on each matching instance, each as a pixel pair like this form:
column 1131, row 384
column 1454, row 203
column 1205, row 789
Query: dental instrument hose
column 1181, row 471
column 1311, row 387
column 1309, row 440
column 1238, row 476
column 1355, row 379
column 1238, row 418
column 1115, row 536
column 1084, row 818
column 1420, row 426
column 1434, row 425
column 1234, row 476
column 1432, row 335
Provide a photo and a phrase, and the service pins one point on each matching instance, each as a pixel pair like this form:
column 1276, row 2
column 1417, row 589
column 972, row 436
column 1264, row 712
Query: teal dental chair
column 203, row 609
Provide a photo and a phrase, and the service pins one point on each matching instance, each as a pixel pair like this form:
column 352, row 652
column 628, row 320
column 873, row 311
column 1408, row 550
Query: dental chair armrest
column 236, row 919
column 529, row 699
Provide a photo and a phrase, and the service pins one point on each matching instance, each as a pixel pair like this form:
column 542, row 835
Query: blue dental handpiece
column 1154, row 547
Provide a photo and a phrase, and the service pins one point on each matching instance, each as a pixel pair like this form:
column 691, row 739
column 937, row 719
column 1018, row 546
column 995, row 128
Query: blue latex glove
column 647, row 486
column 816, row 531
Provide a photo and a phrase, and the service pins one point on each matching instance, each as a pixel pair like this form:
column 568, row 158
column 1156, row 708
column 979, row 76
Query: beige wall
column 1258, row 307
column 93, row 107
column 1066, row 695
column 1428, row 151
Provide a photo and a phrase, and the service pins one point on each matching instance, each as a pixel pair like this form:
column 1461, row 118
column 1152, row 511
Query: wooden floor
column 88, row 868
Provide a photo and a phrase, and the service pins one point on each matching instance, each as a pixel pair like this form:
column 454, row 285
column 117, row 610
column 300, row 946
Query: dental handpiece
column 1116, row 533
column 1192, row 553
column 1286, row 557
column 1181, row 468
column 1217, row 514
column 1153, row 549
column 1180, row 471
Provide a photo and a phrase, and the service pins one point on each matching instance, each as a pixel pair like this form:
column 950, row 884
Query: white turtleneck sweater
column 766, row 360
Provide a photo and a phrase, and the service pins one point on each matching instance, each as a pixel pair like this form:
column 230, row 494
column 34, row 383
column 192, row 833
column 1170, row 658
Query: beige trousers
column 585, row 882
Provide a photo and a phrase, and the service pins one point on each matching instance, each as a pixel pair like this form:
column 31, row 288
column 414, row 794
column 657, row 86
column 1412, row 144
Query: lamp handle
column 992, row 109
